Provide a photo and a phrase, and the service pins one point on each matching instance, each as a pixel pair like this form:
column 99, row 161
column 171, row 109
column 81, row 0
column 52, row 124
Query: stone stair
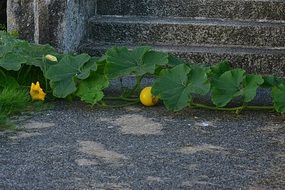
column 249, row 33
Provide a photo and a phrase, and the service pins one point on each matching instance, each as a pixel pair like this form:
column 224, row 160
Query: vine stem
column 117, row 106
column 44, row 73
column 121, row 98
column 239, row 108
column 2, row 72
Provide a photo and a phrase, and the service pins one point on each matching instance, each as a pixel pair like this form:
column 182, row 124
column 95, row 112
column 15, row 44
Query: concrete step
column 254, row 60
column 225, row 9
column 185, row 31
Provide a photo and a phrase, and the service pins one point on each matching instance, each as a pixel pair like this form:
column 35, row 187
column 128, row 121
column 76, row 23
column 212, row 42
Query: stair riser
column 252, row 63
column 177, row 34
column 225, row 9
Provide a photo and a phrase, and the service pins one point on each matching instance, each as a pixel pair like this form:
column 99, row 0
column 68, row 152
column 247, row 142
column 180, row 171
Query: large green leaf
column 7, row 43
column 232, row 84
column 198, row 81
column 227, row 87
column 278, row 94
column 251, row 84
column 63, row 74
column 91, row 65
column 155, row 58
column 90, row 90
column 218, row 69
column 123, row 62
column 68, row 67
column 271, row 81
column 35, row 53
column 173, row 61
column 63, row 88
column 174, row 88
column 22, row 50
column 12, row 61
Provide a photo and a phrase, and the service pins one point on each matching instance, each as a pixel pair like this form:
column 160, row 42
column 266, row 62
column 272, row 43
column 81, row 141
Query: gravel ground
column 74, row 146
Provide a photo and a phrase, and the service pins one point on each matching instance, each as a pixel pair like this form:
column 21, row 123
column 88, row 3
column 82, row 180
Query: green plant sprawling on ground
column 86, row 77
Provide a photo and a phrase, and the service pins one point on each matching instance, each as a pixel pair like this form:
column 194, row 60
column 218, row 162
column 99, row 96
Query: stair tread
column 195, row 48
column 184, row 21
column 186, row 31
column 229, row 9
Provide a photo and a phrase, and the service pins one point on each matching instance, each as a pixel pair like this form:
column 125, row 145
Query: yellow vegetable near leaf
column 37, row 92
column 51, row 58
column 147, row 98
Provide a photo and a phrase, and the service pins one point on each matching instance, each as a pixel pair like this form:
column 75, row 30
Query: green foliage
column 90, row 90
column 12, row 61
column 272, row 81
column 2, row 27
column 8, row 82
column 12, row 100
column 123, row 62
column 278, row 93
column 15, row 52
column 86, row 77
column 62, row 76
column 218, row 69
column 175, row 86
column 232, row 84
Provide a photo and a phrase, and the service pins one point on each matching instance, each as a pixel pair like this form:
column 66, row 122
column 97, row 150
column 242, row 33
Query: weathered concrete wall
column 20, row 17
column 58, row 22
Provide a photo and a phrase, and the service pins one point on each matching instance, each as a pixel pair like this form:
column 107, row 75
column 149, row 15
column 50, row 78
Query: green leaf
column 68, row 67
column 278, row 94
column 218, row 69
column 7, row 43
column 12, row 61
column 173, row 87
column 251, row 84
column 174, row 61
column 232, row 84
column 91, row 65
column 38, row 50
column 271, row 81
column 90, row 90
column 63, row 74
column 198, row 81
column 227, row 87
column 34, row 53
column 63, row 88
column 155, row 58
column 123, row 62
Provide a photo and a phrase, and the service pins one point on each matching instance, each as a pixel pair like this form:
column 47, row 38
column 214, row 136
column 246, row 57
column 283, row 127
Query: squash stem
column 236, row 109
column 118, row 106
column 121, row 98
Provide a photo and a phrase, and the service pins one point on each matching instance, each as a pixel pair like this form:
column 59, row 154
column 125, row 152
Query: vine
column 175, row 83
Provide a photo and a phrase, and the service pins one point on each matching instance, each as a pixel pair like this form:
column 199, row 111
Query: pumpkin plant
column 86, row 77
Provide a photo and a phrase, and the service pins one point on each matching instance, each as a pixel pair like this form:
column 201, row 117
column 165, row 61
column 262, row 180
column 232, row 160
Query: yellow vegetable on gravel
column 147, row 98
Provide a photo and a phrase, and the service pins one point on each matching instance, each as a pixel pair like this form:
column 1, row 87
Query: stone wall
column 58, row 22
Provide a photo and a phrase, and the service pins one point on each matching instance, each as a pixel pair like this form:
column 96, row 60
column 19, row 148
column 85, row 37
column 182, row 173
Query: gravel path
column 74, row 146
